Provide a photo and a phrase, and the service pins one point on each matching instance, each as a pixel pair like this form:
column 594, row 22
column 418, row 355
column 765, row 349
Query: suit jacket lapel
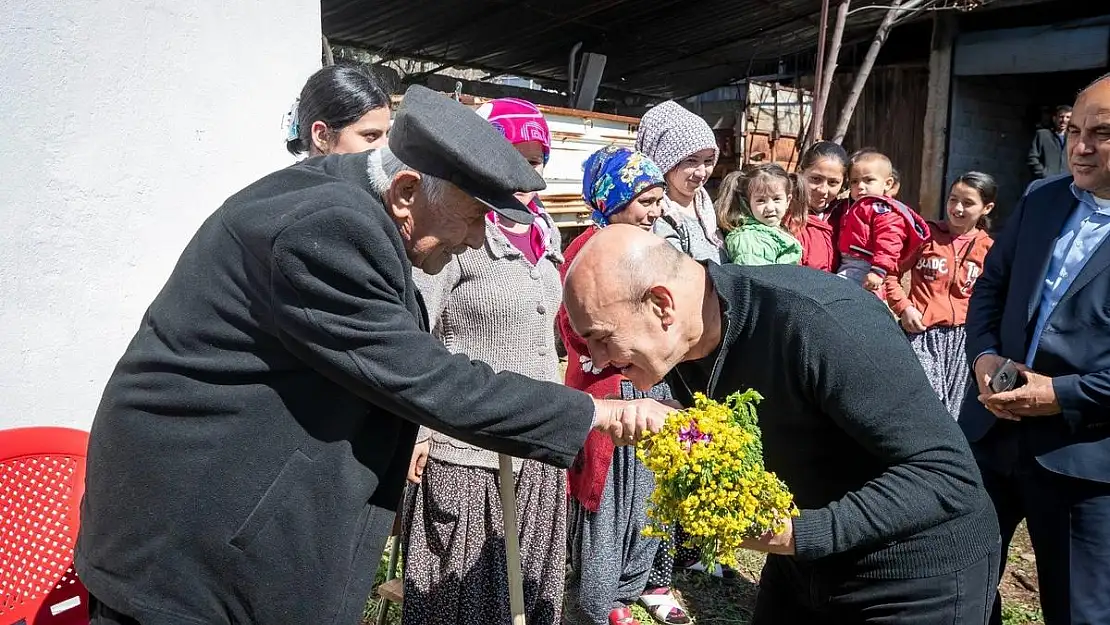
column 1098, row 262
column 1049, row 219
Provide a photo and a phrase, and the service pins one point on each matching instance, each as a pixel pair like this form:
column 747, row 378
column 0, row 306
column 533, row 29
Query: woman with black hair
column 342, row 109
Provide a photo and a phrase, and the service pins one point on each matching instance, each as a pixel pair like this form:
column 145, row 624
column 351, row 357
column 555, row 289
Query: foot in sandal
column 664, row 607
column 622, row 616
column 723, row 572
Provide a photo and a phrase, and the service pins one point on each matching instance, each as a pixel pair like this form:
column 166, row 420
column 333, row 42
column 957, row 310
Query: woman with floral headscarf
column 684, row 146
column 611, row 560
column 496, row 304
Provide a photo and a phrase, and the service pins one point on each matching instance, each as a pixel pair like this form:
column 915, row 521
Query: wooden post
column 329, row 58
column 817, row 127
column 512, row 538
column 822, row 35
column 934, row 157
column 898, row 7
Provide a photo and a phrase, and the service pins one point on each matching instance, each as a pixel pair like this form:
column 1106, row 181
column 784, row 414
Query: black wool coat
column 251, row 446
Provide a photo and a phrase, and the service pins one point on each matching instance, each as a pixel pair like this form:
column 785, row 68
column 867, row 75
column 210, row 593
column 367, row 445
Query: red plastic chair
column 42, row 479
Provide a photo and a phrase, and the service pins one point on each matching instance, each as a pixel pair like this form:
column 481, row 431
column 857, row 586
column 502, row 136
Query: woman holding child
column 821, row 174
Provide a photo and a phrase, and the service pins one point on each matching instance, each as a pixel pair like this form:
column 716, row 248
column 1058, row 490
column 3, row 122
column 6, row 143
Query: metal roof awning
column 654, row 48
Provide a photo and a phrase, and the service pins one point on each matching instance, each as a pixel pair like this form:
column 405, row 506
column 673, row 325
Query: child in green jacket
column 752, row 207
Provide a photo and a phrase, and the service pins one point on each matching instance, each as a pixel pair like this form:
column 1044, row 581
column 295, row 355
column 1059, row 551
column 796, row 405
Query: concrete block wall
column 990, row 132
column 124, row 125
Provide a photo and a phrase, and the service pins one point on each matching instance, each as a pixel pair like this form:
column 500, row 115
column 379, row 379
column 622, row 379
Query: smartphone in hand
column 1006, row 378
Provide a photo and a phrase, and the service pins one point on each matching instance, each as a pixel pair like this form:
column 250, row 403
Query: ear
column 987, row 208
column 661, row 302
column 401, row 197
column 321, row 137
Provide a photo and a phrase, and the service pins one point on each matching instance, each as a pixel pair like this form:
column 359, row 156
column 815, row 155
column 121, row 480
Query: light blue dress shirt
column 1081, row 236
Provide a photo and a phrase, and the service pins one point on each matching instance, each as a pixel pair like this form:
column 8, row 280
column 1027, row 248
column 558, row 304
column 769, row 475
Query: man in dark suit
column 1047, row 156
column 1044, row 302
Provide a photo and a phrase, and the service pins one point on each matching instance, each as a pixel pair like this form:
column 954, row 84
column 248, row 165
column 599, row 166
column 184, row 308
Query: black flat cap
column 438, row 136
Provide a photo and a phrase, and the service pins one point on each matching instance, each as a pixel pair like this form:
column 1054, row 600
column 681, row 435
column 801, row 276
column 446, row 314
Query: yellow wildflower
column 710, row 478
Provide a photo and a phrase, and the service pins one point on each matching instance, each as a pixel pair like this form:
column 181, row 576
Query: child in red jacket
column 877, row 232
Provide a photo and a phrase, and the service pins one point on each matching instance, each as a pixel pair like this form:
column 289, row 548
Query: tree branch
column 864, row 71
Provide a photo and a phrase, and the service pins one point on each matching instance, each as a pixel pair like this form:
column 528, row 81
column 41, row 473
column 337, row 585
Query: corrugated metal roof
column 661, row 48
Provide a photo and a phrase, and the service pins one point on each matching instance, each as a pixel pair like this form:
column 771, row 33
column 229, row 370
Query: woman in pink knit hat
column 496, row 304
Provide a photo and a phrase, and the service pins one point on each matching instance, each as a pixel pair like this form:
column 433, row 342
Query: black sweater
column 886, row 483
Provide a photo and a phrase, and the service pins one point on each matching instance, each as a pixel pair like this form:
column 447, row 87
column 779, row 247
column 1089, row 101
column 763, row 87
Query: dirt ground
column 713, row 601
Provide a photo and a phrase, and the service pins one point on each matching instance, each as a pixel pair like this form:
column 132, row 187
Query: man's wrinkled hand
column 1035, row 398
column 419, row 459
column 781, row 544
column 626, row 422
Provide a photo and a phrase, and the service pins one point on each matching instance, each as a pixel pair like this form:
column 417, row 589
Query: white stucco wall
column 122, row 126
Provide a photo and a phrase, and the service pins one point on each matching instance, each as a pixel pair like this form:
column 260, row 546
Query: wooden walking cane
column 512, row 539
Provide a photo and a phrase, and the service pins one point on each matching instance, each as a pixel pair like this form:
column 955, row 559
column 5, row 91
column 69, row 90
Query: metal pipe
column 570, row 72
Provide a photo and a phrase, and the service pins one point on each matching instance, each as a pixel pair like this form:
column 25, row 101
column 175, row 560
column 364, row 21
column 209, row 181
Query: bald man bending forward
column 895, row 524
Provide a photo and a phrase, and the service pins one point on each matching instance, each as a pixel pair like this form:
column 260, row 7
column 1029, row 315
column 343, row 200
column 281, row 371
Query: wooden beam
column 817, row 126
column 934, row 157
column 864, row 70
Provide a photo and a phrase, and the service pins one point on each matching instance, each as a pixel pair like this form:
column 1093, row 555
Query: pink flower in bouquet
column 691, row 434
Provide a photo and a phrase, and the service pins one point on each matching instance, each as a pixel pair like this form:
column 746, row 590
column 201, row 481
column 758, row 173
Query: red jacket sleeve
column 896, row 296
column 888, row 235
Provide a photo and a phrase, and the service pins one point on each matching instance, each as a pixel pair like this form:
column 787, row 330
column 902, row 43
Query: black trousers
column 800, row 592
column 100, row 614
column 1069, row 525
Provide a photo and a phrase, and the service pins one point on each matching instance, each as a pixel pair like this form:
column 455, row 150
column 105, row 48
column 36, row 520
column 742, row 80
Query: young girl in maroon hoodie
column 943, row 274
column 820, row 177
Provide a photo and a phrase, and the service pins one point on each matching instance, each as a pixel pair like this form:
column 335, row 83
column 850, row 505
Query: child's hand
column 873, row 282
column 911, row 321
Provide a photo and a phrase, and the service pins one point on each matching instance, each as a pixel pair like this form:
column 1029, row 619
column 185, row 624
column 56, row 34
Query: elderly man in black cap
column 251, row 446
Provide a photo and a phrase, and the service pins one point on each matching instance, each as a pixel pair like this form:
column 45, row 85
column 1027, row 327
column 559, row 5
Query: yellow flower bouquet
column 710, row 478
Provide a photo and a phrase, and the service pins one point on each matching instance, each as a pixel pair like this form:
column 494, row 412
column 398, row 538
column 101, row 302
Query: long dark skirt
column 454, row 546
column 941, row 352
column 610, row 558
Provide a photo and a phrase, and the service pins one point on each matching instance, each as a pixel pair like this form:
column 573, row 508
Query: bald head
column 623, row 261
column 1088, row 138
column 636, row 301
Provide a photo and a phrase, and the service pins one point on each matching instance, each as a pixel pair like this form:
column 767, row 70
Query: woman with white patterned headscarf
column 684, row 146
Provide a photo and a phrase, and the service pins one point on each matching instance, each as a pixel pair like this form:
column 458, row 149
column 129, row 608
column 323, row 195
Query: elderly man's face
column 1089, row 140
column 637, row 338
column 438, row 225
